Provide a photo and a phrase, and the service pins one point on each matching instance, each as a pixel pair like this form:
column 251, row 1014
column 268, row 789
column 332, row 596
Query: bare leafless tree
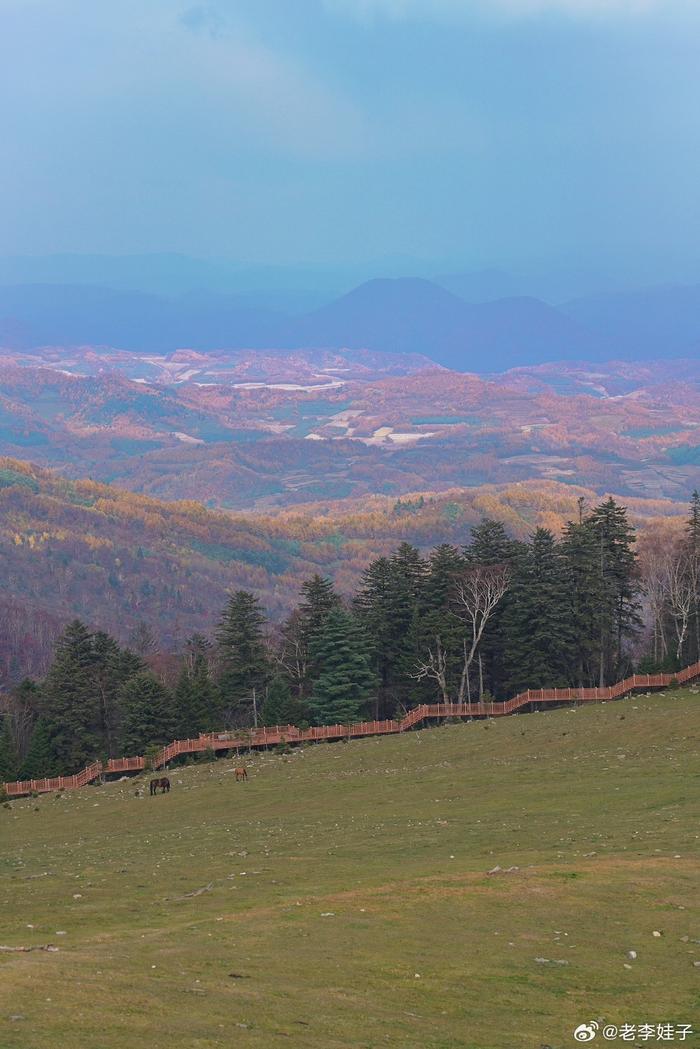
column 434, row 668
column 682, row 588
column 655, row 561
column 477, row 595
column 291, row 650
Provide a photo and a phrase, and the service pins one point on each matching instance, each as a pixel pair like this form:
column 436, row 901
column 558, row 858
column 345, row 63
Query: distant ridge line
column 265, row 737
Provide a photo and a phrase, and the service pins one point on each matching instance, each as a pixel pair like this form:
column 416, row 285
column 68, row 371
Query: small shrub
column 674, row 683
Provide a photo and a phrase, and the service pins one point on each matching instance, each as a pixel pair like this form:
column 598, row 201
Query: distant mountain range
column 403, row 315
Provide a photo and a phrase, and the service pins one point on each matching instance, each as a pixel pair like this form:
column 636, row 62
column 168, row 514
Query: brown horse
column 240, row 773
column 163, row 782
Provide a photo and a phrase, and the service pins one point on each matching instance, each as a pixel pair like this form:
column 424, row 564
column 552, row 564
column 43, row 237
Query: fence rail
column 265, row 737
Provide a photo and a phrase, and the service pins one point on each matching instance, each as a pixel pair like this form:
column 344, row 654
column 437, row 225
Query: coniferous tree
column 280, row 707
column 8, row 753
column 147, row 714
column 70, row 701
column 386, row 606
column 345, row 682
column 581, row 560
column 618, row 617
column 40, row 760
column 197, row 706
column 319, row 600
column 537, row 622
column 245, row 667
column 112, row 668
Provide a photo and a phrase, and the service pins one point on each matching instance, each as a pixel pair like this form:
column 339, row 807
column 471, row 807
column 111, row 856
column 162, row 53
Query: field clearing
column 342, row 897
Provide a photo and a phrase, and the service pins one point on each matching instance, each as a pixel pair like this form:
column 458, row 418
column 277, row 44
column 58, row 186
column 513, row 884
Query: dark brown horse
column 163, row 782
column 240, row 773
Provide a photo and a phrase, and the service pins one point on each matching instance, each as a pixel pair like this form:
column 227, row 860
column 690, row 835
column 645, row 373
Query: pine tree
column 581, row 561
column 385, row 605
column 8, row 753
column 71, row 704
column 40, row 760
column 197, row 706
column 537, row 623
column 245, row 666
column 147, row 714
column 280, row 707
column 618, row 618
column 490, row 544
column 112, row 668
column 319, row 599
column 345, row 682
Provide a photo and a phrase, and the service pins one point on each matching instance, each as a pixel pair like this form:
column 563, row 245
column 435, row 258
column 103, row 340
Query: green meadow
column 488, row 885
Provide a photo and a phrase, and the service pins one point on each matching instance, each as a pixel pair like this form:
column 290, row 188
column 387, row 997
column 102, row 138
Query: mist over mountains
column 443, row 321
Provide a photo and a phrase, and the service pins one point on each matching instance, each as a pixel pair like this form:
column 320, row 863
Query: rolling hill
column 236, row 431
column 78, row 548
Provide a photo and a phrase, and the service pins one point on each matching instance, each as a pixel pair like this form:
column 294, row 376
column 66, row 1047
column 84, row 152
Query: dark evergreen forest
column 484, row 620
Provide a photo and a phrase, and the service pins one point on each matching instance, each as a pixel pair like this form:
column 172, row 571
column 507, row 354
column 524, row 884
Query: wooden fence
column 266, row 737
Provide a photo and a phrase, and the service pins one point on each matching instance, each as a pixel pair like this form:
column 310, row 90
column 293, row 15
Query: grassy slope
column 597, row 807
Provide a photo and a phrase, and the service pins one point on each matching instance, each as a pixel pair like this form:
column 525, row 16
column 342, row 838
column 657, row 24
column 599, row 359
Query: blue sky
column 461, row 132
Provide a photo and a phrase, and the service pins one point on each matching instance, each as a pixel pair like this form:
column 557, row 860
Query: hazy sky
column 478, row 132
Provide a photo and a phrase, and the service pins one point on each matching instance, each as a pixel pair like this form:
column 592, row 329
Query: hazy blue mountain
column 660, row 321
column 407, row 315
column 41, row 314
column 482, row 285
column 419, row 316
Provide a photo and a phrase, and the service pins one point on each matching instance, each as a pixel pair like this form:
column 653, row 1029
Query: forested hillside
column 80, row 548
column 489, row 616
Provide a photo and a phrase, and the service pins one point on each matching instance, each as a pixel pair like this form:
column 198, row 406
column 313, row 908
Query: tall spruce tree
column 245, row 667
column 8, row 753
column 197, row 699
column 537, row 622
column 618, row 618
column 147, row 714
column 71, row 707
column 280, row 707
column 319, row 599
column 581, row 563
column 112, row 668
column 40, row 760
column 386, row 605
column 345, row 683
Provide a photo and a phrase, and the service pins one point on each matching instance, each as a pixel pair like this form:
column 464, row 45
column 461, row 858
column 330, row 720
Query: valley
column 259, row 430
column 117, row 559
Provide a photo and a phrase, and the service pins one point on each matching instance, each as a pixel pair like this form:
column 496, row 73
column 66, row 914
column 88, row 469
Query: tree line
column 490, row 618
